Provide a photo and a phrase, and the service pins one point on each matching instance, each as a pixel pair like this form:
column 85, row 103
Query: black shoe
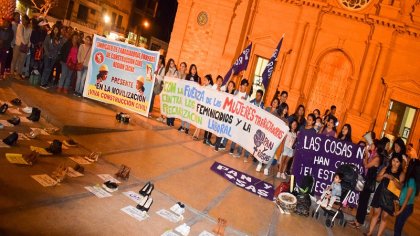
column 35, row 115
column 79, row 168
column 55, row 147
column 3, row 108
column 143, row 190
column 205, row 141
column 11, row 139
column 186, row 131
column 16, row 102
column 142, row 203
column 110, row 186
column 180, row 129
column 222, row 147
column 14, row 121
column 148, row 191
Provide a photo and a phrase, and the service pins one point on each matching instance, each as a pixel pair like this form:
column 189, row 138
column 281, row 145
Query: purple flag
column 240, row 64
column 268, row 71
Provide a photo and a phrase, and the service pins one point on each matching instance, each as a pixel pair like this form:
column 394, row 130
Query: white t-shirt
column 290, row 139
column 242, row 95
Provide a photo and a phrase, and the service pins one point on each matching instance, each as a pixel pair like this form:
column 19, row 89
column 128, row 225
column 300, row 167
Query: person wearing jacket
column 6, row 37
column 68, row 56
column 52, row 45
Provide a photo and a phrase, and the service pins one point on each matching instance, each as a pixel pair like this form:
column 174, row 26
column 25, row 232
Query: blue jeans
column 401, row 219
column 65, row 78
column 81, row 78
column 185, row 125
column 48, row 66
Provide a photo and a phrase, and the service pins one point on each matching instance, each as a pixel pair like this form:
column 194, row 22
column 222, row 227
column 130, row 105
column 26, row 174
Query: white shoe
column 278, row 175
column 160, row 119
column 266, row 172
column 318, row 202
column 328, row 208
column 183, row 229
column 164, row 120
column 27, row 110
column 259, row 166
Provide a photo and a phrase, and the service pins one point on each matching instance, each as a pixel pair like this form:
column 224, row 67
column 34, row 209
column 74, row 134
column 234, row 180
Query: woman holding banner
column 208, row 82
column 329, row 130
column 391, row 178
column 345, row 134
column 171, row 71
column 289, row 149
column 158, row 85
column 221, row 142
column 191, row 76
column 298, row 116
column 371, row 163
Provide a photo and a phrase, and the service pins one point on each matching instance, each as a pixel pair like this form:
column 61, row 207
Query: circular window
column 202, row 18
column 354, row 5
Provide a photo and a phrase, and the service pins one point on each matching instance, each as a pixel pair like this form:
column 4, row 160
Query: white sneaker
column 259, row 166
column 328, row 208
column 183, row 229
column 278, row 175
column 164, row 120
column 266, row 171
column 160, row 119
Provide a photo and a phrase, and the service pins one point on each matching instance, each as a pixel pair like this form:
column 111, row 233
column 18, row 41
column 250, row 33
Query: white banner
column 225, row 115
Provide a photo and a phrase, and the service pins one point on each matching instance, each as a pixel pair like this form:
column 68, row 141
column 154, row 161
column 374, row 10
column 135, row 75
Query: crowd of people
column 50, row 55
column 382, row 163
column 59, row 56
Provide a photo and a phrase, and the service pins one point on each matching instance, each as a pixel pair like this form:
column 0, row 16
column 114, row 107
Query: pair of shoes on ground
column 123, row 172
column 147, row 200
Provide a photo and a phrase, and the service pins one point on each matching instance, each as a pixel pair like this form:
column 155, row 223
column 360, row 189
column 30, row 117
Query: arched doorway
column 331, row 83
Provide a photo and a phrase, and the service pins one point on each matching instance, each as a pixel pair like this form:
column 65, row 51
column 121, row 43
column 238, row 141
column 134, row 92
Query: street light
column 107, row 19
column 146, row 24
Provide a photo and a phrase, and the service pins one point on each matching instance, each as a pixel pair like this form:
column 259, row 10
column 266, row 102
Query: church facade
column 360, row 55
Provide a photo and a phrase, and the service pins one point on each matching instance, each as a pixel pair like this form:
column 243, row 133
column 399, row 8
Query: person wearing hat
column 103, row 74
column 140, row 85
column 6, row 37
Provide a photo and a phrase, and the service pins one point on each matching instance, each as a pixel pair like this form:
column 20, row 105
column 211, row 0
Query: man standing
column 6, row 37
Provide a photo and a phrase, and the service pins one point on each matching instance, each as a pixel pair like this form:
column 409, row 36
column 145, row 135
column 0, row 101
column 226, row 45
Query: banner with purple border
column 320, row 156
column 245, row 181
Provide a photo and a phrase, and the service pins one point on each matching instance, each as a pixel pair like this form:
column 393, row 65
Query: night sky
column 165, row 18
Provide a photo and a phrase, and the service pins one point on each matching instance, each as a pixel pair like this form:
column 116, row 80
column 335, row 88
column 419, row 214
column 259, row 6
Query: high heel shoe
column 143, row 190
column 147, row 205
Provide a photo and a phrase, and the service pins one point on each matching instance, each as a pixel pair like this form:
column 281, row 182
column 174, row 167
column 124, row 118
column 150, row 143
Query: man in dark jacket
column 6, row 37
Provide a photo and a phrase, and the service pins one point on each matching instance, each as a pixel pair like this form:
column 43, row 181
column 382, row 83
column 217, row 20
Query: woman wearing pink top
column 68, row 57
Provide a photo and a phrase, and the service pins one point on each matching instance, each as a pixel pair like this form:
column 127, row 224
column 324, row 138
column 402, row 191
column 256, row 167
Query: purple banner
column 268, row 71
column 245, row 181
column 240, row 64
column 320, row 156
